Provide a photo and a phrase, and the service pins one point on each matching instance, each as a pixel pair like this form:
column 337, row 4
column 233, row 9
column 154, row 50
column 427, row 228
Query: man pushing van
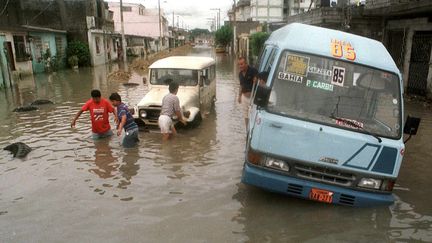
column 170, row 107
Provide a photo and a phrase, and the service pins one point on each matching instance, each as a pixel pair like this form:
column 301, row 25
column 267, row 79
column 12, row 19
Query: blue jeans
column 97, row 136
column 131, row 138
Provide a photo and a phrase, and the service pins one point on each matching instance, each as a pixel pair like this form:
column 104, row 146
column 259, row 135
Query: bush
column 224, row 35
column 257, row 41
column 73, row 61
column 80, row 50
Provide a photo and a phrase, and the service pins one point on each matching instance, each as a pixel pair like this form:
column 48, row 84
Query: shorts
column 97, row 136
column 245, row 103
column 165, row 123
column 131, row 138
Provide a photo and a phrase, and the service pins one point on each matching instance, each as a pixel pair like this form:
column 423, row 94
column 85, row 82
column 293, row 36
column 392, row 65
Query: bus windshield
column 164, row 76
column 337, row 93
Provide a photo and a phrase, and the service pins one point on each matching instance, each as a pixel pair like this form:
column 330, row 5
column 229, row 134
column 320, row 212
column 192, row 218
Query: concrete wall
column 267, row 10
column 104, row 42
column 411, row 26
column 5, row 80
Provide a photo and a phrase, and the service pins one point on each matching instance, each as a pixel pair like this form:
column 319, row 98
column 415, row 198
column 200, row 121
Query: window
column 37, row 42
column 60, row 50
column 114, row 45
column 97, row 40
column 127, row 9
column 183, row 77
column 337, row 93
column 20, row 48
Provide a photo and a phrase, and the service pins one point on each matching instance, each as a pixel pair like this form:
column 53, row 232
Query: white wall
column 267, row 10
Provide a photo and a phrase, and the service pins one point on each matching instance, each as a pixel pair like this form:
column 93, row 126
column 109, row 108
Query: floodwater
column 73, row 189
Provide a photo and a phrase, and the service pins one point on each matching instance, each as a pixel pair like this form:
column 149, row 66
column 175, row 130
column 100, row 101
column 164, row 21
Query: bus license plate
column 321, row 195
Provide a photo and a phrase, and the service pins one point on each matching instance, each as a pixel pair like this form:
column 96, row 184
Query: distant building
column 28, row 45
column 141, row 26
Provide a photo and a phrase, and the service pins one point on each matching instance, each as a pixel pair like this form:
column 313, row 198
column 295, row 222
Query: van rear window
column 164, row 76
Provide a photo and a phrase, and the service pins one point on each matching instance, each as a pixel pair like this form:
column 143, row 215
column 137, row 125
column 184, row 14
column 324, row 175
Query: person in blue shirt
column 125, row 121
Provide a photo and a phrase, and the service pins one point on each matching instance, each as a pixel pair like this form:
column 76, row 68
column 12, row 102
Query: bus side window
column 271, row 60
column 267, row 58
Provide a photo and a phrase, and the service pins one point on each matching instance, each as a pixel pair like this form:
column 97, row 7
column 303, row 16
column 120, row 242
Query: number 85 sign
column 341, row 49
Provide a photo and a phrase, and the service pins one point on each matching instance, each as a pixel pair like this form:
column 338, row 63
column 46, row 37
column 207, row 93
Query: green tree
column 224, row 35
column 257, row 41
column 80, row 50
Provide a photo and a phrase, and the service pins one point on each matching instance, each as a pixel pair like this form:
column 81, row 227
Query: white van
column 197, row 92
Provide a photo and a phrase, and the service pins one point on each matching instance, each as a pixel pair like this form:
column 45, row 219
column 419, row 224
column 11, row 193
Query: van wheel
column 196, row 122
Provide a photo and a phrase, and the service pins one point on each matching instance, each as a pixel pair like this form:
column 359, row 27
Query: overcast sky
column 193, row 13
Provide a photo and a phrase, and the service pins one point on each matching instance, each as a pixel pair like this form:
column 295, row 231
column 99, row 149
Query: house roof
column 42, row 29
column 317, row 40
column 183, row 62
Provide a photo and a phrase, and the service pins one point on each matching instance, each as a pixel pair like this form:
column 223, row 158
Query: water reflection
column 269, row 217
column 129, row 167
column 104, row 160
column 189, row 187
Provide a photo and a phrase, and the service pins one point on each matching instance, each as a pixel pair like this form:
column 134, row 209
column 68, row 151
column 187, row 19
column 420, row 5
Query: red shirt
column 99, row 115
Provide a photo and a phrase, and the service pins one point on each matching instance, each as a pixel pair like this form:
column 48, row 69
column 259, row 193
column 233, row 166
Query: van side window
column 262, row 58
column 271, row 60
column 267, row 58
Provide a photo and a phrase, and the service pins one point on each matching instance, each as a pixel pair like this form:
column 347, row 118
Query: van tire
column 196, row 121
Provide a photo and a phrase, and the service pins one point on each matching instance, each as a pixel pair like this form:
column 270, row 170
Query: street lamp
column 218, row 17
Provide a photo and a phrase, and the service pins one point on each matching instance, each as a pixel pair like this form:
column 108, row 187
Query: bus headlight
column 370, row 183
column 277, row 164
column 143, row 113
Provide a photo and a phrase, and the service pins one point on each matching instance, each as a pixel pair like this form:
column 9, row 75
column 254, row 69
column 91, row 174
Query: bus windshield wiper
column 353, row 124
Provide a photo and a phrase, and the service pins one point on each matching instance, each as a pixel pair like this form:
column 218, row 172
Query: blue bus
column 328, row 123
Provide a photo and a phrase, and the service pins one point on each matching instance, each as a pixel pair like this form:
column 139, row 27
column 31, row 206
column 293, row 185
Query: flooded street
column 73, row 189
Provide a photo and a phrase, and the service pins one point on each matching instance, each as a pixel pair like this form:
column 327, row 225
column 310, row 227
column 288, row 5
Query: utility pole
column 235, row 29
column 217, row 17
column 122, row 32
column 160, row 27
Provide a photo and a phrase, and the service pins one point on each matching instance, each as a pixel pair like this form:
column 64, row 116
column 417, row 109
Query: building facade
column 267, row 10
column 140, row 22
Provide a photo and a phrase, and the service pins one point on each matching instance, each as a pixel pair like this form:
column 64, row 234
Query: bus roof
column 317, row 40
column 183, row 62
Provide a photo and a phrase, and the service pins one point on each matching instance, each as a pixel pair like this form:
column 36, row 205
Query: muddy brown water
column 73, row 189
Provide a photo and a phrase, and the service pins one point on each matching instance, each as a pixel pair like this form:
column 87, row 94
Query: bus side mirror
column 262, row 96
column 411, row 126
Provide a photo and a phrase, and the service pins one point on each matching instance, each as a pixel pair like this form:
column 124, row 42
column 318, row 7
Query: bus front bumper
column 273, row 181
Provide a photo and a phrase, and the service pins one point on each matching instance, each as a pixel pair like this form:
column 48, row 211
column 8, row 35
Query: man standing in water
column 170, row 107
column 246, row 76
column 99, row 109
column 125, row 121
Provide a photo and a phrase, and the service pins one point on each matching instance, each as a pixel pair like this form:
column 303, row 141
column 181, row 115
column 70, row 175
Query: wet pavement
column 73, row 189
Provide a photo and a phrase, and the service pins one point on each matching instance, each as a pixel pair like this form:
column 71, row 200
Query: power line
column 4, row 9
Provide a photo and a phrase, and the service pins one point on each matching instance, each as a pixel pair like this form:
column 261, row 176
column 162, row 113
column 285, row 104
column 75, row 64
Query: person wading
column 125, row 121
column 99, row 109
column 246, row 77
column 170, row 107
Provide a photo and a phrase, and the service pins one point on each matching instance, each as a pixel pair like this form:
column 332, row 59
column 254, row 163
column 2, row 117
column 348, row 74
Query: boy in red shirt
column 99, row 109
